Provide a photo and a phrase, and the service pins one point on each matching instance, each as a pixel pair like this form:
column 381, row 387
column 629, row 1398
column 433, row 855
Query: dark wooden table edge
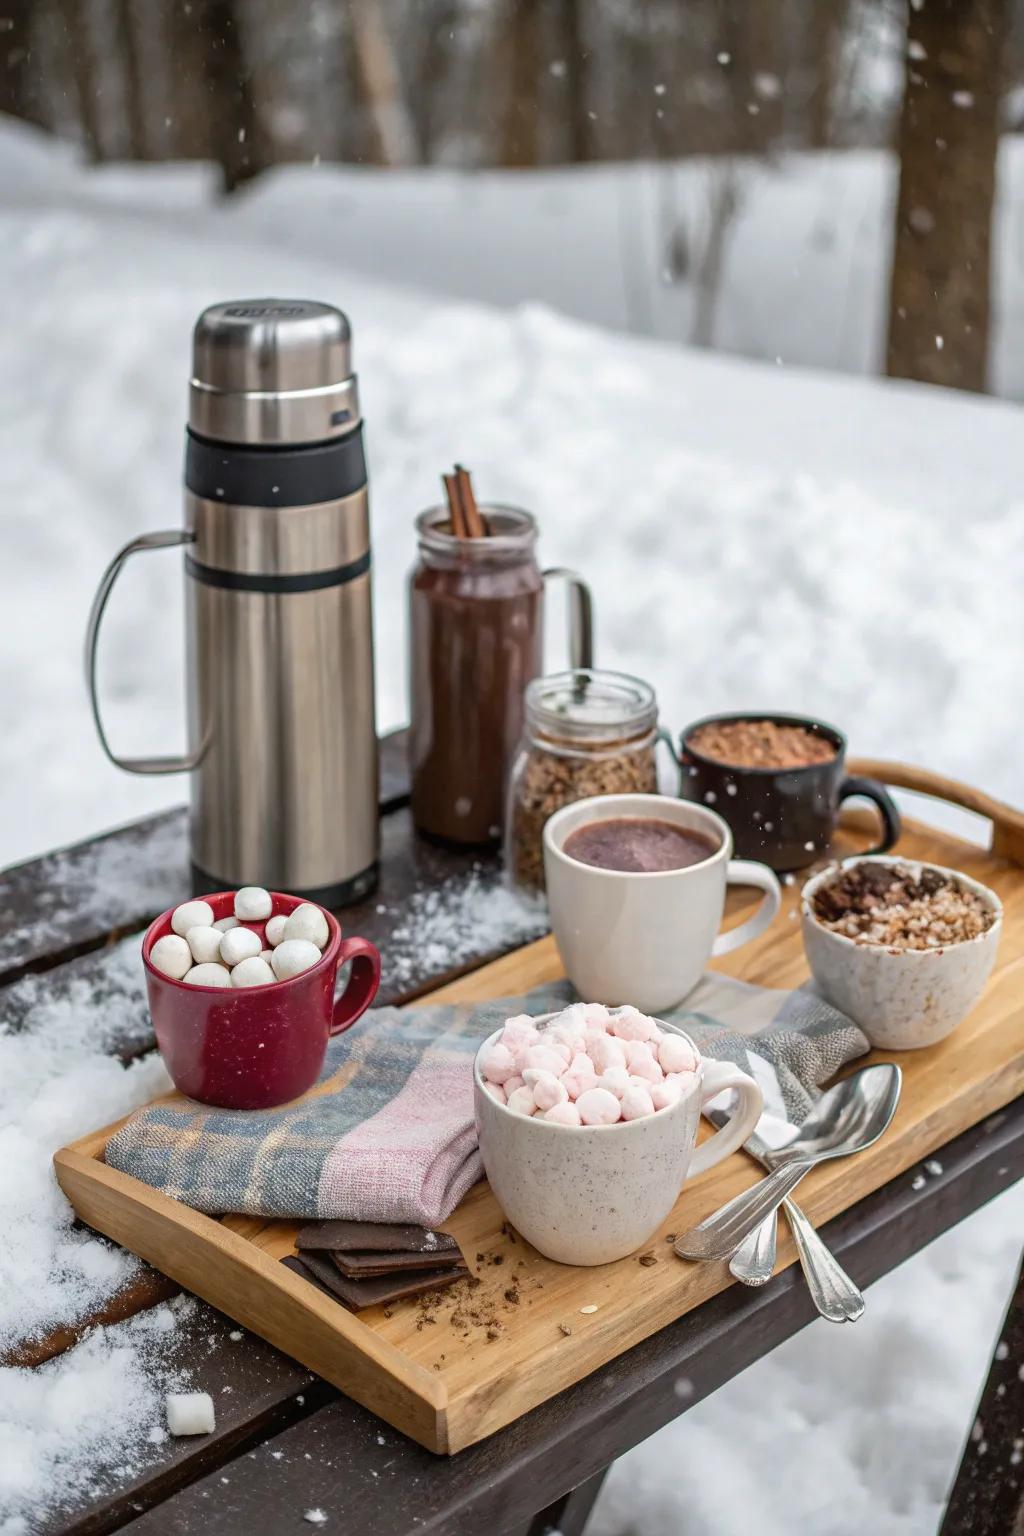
column 500, row 1483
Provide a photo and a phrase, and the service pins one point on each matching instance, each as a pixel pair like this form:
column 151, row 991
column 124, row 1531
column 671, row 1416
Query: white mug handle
column 718, row 1076
column 746, row 872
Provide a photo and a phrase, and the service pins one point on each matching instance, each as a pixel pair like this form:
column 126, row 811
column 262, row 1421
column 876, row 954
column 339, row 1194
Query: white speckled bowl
column 593, row 1193
column 902, row 999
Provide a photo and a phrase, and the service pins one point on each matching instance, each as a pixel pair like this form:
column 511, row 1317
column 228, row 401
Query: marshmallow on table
column 208, row 976
column 172, row 956
column 204, row 942
column 239, row 944
column 292, row 956
column 190, row 1413
column 252, row 972
column 252, row 904
column 307, row 922
column 273, row 933
column 191, row 914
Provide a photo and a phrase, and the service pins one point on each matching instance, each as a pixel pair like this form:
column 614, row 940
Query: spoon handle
column 753, row 1263
column 719, row 1235
column 832, row 1291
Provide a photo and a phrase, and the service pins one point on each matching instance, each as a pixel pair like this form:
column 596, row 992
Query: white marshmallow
column 252, row 904
column 631, row 1024
column 223, row 924
column 294, row 956
column 190, row 1413
column 496, row 1091
column 522, row 1101
column 208, row 976
column 273, row 933
column 191, row 914
column 511, row 1084
column 616, row 1080
column 547, row 1090
column 676, row 1055
column 565, row 1113
column 252, row 972
column 239, row 944
column 307, row 922
column 579, row 1076
column 171, row 955
column 642, row 1064
column 664, row 1095
column 546, row 1058
column 594, row 1015
column 636, row 1102
column 267, row 955
column 598, row 1107
column 498, row 1064
column 204, row 942
column 604, row 1051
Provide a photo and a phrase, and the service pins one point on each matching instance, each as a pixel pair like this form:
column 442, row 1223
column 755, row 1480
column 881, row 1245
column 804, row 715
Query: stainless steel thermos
column 282, row 742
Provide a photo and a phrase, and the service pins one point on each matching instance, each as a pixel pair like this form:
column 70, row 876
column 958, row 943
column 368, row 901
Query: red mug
column 254, row 1047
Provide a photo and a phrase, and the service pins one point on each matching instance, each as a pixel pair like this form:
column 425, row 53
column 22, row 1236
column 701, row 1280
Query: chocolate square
column 373, row 1291
column 373, row 1237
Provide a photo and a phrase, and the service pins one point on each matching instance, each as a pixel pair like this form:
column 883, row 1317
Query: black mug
column 782, row 817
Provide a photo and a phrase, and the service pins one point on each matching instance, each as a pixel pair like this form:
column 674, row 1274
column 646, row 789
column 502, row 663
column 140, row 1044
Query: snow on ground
column 755, row 536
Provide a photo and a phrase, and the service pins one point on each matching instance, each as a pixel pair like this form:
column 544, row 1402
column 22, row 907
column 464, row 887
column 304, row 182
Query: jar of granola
column 586, row 733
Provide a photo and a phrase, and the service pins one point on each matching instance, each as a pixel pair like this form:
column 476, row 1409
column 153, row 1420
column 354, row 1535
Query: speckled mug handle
column 718, row 1077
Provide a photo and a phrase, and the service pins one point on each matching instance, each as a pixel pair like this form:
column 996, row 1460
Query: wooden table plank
column 81, row 897
column 368, row 1478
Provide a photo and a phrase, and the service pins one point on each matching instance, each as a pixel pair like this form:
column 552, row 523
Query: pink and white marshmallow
column 589, row 1066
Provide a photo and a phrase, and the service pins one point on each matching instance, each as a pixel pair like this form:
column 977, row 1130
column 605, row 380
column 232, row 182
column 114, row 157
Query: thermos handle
column 165, row 540
column 581, row 617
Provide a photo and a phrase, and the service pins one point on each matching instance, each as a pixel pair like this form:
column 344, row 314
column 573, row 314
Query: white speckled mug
column 590, row 1194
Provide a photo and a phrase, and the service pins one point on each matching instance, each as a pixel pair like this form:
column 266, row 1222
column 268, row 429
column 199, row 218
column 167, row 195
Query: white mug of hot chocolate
column 642, row 936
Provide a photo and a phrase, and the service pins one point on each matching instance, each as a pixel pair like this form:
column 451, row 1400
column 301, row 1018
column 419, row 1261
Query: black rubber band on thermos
column 246, row 476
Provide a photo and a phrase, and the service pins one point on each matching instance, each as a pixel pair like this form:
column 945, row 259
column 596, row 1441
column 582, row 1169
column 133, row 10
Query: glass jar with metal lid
column 586, row 733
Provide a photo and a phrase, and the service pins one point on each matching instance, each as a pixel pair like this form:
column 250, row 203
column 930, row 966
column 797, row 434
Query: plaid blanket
column 387, row 1133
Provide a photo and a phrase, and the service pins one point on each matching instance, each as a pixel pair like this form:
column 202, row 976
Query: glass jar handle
column 581, row 617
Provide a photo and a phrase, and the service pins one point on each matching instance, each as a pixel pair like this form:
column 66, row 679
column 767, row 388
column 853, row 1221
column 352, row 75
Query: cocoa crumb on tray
column 898, row 907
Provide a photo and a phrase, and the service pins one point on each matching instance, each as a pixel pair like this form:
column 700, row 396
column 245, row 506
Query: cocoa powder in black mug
column 638, row 845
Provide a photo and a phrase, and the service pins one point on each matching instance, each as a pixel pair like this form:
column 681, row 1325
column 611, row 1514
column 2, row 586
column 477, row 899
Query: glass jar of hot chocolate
column 586, row 733
column 476, row 637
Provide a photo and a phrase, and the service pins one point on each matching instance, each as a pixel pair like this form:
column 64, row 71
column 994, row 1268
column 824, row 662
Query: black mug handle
column 870, row 789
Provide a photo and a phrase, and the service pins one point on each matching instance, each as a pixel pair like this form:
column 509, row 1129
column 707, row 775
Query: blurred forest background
column 473, row 84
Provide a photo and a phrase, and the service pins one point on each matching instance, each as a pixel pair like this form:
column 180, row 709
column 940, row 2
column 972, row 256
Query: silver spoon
column 846, row 1119
column 834, row 1294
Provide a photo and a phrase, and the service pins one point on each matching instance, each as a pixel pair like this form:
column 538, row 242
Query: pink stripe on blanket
column 415, row 1159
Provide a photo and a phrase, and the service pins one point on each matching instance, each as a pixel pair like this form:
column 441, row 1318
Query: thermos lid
column 272, row 372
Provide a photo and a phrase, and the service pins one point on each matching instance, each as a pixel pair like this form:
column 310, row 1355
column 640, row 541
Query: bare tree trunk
column 520, row 139
column 948, row 137
column 19, row 81
column 573, row 56
column 87, row 78
column 380, row 86
column 133, row 93
column 825, row 37
column 237, row 144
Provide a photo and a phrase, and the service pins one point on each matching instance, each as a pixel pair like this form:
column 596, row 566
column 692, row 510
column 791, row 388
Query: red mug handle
column 363, row 981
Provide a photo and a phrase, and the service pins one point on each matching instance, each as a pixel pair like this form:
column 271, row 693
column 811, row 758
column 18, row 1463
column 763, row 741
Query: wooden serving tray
column 450, row 1369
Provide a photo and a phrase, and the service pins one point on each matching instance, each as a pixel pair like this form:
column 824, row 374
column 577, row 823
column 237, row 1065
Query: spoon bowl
column 848, row 1118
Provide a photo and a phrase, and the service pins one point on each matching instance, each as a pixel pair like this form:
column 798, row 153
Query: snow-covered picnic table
column 287, row 1447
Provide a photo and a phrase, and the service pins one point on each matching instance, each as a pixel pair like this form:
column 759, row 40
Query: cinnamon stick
column 470, row 510
column 458, row 521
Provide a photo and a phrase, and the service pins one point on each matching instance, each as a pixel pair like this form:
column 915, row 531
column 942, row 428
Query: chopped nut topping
column 893, row 906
